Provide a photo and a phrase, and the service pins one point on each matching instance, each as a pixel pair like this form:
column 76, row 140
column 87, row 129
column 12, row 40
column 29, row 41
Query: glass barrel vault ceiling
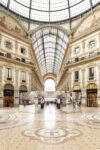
column 49, row 44
column 49, row 10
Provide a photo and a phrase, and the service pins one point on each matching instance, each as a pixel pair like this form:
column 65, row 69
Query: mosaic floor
column 24, row 128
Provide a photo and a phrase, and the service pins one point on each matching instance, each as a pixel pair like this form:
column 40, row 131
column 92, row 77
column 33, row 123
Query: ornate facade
column 18, row 66
column 81, row 69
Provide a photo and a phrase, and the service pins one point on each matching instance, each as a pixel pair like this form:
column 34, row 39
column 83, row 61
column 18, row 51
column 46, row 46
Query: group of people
column 42, row 102
column 75, row 101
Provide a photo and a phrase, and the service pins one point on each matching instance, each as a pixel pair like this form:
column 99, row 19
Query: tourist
column 58, row 102
column 42, row 102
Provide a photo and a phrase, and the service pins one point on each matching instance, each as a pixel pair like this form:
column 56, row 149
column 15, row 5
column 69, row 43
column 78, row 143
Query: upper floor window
column 76, row 76
column 8, row 44
column 9, row 74
column 23, row 76
column 77, row 50
column 92, row 44
column 91, row 73
column 23, row 50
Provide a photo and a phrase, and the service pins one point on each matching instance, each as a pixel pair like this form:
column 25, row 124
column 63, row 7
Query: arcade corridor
column 43, row 41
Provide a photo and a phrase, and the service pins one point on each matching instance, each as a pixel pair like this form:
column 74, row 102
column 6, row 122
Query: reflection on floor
column 24, row 128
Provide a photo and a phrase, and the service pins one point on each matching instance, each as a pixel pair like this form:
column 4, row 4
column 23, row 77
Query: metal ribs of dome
column 50, row 45
column 50, row 10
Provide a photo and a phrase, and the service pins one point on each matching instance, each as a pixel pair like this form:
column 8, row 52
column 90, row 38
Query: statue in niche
column 17, row 29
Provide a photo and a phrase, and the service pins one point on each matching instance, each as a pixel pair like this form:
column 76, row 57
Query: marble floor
column 27, row 128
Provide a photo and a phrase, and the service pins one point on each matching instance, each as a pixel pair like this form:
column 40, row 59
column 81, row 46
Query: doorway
column 50, row 85
column 8, row 95
column 50, row 88
column 92, row 95
column 22, row 93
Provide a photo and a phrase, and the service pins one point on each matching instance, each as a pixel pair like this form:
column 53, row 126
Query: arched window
column 49, row 85
column 23, row 88
column 8, row 87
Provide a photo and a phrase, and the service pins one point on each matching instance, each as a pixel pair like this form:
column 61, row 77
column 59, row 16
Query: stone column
column 30, row 81
column 0, row 40
column 98, row 94
column 16, row 90
column 1, row 87
column 83, row 78
column 84, row 97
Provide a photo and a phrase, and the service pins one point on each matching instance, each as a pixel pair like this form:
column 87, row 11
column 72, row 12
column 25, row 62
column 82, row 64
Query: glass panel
column 49, row 10
column 58, row 4
column 95, row 1
column 26, row 3
column 20, row 9
column 39, row 15
column 50, row 48
column 4, row 2
column 40, row 5
column 80, row 7
column 59, row 15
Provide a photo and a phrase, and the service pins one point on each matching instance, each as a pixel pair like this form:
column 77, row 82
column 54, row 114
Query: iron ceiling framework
column 50, row 44
column 49, row 10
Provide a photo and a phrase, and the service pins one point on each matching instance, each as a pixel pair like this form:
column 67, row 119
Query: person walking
column 58, row 102
column 42, row 102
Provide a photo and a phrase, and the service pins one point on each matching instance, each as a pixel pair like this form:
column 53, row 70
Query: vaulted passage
column 50, row 44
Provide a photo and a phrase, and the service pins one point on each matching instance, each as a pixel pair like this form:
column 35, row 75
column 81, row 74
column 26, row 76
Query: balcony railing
column 90, row 55
column 24, row 81
column 76, row 80
column 23, row 60
column 18, row 59
column 8, row 55
column 91, row 78
column 2, row 54
column 9, row 78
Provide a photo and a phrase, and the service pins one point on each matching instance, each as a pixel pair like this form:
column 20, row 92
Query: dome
column 49, row 10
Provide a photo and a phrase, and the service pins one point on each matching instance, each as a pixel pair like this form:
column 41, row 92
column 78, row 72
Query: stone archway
column 22, row 88
column 8, row 95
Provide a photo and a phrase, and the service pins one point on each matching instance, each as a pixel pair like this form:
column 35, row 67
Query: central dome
column 49, row 10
